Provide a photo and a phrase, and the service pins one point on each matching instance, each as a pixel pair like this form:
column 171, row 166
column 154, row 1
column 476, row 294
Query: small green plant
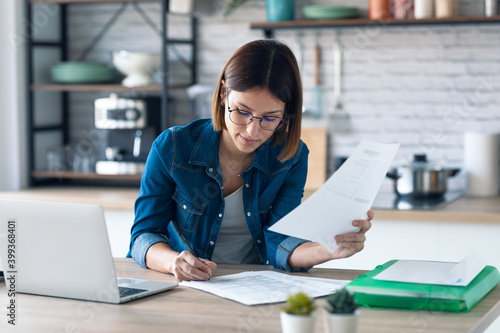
column 299, row 304
column 341, row 301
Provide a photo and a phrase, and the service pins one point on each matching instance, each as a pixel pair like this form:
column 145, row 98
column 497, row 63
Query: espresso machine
column 129, row 128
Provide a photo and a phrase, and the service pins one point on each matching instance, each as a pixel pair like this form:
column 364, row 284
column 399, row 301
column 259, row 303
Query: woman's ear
column 223, row 89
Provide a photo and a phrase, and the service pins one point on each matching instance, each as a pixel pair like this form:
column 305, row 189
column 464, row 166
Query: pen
column 183, row 239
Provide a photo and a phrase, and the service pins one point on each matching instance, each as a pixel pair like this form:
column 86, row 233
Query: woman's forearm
column 159, row 257
column 309, row 254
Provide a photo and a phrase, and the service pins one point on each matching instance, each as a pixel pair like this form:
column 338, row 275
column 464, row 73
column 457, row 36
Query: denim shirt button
column 212, row 243
column 259, row 241
column 249, row 214
column 247, row 185
column 184, row 206
column 267, row 262
column 220, row 215
column 211, row 170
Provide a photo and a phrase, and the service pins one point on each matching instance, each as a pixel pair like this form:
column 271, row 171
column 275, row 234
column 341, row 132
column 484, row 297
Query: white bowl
column 139, row 67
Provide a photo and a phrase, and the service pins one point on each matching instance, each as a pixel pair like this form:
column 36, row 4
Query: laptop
column 62, row 250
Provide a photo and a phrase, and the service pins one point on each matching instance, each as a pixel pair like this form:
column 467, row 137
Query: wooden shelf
column 269, row 26
column 81, row 175
column 101, row 87
column 87, row 1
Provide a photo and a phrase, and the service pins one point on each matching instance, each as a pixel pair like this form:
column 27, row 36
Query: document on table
column 346, row 196
column 434, row 272
column 263, row 287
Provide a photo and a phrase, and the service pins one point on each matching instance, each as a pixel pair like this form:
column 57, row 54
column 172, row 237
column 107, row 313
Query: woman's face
column 258, row 103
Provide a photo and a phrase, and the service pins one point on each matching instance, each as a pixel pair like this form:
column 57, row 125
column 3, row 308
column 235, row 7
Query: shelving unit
column 270, row 27
column 42, row 176
column 101, row 87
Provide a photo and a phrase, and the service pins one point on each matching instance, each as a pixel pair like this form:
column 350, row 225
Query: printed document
column 263, row 287
column 346, row 196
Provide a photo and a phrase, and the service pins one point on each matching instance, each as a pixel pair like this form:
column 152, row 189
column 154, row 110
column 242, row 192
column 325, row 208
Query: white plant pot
column 341, row 323
column 291, row 323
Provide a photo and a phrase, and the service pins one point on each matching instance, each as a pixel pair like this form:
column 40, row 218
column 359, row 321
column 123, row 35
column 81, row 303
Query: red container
column 379, row 10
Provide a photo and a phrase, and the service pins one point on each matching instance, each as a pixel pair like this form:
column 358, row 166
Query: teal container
column 280, row 10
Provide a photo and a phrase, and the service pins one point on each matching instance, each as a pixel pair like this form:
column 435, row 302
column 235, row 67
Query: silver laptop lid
column 62, row 249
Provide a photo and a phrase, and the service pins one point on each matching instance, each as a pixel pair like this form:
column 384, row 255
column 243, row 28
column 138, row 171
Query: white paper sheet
column 434, row 272
column 346, row 196
column 263, row 287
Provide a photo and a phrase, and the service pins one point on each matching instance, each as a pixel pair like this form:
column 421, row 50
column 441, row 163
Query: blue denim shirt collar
column 206, row 151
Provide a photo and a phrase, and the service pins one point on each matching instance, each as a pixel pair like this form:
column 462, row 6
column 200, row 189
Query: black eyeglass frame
column 279, row 127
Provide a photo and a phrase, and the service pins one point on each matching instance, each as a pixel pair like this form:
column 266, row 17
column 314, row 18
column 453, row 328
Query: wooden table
column 189, row 310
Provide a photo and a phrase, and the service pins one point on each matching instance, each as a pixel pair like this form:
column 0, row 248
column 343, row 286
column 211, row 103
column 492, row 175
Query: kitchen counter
column 465, row 209
column 109, row 198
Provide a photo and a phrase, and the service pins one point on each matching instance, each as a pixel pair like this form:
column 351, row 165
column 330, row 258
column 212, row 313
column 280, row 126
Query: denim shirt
column 182, row 181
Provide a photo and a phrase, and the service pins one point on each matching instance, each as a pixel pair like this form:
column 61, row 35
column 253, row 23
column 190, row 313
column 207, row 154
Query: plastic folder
column 370, row 292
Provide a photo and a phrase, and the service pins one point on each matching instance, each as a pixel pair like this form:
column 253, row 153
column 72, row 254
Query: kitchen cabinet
column 269, row 27
column 56, row 130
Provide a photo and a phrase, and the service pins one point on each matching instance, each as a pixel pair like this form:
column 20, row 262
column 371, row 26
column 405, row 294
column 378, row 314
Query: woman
column 225, row 181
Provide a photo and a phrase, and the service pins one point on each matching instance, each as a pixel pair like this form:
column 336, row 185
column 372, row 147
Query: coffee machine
column 129, row 128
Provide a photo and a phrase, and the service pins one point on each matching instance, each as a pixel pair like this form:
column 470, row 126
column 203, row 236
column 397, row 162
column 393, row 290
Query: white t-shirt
column 234, row 243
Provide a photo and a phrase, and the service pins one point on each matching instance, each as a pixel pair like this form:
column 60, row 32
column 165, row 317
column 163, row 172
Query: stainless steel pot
column 421, row 178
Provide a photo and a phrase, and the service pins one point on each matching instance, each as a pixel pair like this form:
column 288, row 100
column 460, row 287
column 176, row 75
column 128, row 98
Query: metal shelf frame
column 37, row 177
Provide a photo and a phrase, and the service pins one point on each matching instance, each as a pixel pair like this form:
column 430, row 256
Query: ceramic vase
column 341, row 322
column 379, row 9
column 291, row 323
column 280, row 10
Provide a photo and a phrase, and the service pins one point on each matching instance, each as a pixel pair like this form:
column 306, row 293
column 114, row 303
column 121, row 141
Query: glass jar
column 402, row 9
column 445, row 8
column 424, row 9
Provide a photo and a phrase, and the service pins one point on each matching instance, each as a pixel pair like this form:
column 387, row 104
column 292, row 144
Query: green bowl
column 82, row 72
column 318, row 12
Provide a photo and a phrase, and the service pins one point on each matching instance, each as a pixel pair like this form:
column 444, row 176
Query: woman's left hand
column 354, row 242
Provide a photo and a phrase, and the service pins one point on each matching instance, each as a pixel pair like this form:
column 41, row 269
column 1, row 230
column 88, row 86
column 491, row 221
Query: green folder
column 374, row 293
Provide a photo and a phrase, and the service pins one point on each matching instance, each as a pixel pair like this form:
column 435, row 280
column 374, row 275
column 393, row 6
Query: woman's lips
column 247, row 141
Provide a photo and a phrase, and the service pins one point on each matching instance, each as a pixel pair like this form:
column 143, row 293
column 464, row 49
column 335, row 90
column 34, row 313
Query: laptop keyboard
column 125, row 291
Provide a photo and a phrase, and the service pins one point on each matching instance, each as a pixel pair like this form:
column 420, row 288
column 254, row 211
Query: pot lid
column 420, row 162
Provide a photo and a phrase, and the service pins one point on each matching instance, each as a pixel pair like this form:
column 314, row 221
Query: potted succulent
column 298, row 315
column 342, row 312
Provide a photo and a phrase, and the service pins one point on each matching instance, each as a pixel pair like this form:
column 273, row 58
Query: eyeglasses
column 241, row 117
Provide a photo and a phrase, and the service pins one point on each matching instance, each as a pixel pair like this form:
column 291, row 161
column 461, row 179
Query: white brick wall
column 422, row 86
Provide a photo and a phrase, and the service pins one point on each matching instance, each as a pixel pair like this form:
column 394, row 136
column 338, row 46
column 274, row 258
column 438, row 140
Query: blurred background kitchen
column 83, row 130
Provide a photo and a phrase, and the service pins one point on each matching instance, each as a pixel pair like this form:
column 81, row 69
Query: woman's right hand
column 187, row 267
column 184, row 266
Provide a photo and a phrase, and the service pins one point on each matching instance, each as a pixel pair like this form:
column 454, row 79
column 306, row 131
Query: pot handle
column 453, row 172
column 392, row 175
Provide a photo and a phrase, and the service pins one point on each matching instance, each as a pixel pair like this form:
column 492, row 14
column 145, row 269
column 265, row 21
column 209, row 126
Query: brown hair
column 265, row 64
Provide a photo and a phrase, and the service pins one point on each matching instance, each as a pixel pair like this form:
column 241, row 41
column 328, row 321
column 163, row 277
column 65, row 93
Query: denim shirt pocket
column 188, row 213
column 264, row 207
